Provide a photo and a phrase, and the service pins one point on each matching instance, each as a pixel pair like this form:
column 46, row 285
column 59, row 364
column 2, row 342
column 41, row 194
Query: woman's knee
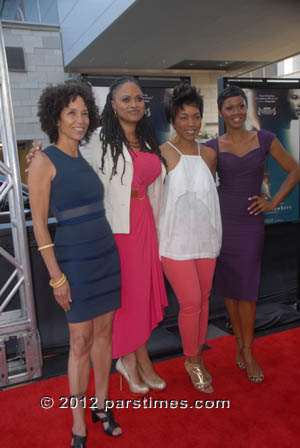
column 103, row 328
column 190, row 304
column 104, row 333
column 80, row 345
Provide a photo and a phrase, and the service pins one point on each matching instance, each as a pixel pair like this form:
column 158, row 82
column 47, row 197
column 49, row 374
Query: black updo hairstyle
column 184, row 93
column 54, row 98
column 113, row 135
column 229, row 92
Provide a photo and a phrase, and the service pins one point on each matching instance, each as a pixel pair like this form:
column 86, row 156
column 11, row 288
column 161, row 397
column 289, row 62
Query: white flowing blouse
column 190, row 221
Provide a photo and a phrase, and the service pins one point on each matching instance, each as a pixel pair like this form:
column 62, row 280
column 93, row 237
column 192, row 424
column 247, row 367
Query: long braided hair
column 113, row 136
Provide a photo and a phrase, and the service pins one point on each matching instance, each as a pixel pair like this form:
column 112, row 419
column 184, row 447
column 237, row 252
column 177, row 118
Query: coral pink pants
column 191, row 281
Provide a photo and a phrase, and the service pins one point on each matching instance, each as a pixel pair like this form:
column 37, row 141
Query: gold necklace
column 134, row 144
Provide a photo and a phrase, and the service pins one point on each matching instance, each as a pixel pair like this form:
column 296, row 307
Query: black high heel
column 78, row 441
column 109, row 418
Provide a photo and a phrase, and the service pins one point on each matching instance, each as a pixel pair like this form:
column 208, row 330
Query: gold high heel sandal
column 137, row 388
column 256, row 378
column 206, row 374
column 241, row 365
column 198, row 377
column 158, row 383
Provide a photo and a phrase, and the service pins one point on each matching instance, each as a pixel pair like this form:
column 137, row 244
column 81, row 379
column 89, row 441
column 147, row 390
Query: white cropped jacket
column 117, row 194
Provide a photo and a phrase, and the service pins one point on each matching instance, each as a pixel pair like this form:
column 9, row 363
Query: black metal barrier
column 278, row 282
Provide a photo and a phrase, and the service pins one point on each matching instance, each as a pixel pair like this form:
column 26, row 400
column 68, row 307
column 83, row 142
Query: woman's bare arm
column 286, row 161
column 41, row 172
column 209, row 156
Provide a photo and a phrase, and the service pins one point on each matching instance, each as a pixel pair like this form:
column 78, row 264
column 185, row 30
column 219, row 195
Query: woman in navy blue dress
column 83, row 261
column 241, row 158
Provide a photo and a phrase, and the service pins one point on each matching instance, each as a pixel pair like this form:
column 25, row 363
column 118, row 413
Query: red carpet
column 265, row 415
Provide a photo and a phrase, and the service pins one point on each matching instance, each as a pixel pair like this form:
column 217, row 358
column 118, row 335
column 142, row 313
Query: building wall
column 289, row 68
column 43, row 66
column 207, row 83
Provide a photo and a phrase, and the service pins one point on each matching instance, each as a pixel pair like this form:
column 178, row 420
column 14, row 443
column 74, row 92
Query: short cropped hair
column 54, row 98
column 229, row 92
column 183, row 94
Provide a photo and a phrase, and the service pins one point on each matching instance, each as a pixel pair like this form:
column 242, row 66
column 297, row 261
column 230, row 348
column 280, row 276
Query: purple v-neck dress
column 238, row 266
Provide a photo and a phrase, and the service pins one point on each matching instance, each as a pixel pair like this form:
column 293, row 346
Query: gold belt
column 135, row 194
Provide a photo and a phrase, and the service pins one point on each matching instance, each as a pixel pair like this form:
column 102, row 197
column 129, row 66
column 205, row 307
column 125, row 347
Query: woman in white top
column 190, row 226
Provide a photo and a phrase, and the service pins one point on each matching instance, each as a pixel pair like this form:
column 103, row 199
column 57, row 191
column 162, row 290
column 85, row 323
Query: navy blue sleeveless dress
column 84, row 243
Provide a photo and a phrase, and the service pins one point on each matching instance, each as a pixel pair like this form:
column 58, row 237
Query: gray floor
column 214, row 332
column 165, row 341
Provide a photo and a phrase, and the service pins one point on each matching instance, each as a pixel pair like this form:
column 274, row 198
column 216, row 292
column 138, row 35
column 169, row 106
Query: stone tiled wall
column 207, row 83
column 43, row 66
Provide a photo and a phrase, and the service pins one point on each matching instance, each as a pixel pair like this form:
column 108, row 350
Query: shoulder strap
column 173, row 146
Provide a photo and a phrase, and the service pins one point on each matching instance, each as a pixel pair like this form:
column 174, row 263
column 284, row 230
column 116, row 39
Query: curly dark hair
column 54, row 98
column 184, row 93
column 112, row 134
column 229, row 92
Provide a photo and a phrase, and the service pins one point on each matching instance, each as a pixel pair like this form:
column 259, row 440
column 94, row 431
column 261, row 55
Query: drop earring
column 175, row 138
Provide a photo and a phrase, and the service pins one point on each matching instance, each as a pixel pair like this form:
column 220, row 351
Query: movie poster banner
column 276, row 109
column 155, row 99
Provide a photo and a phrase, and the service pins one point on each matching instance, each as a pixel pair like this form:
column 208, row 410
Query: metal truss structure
column 20, row 348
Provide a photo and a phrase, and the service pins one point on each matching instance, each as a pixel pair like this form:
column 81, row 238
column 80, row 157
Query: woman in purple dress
column 241, row 160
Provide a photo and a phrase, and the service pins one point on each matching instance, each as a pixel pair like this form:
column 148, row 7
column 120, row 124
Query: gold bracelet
column 59, row 282
column 46, row 247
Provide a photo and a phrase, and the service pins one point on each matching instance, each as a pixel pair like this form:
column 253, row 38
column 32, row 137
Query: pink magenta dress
column 143, row 294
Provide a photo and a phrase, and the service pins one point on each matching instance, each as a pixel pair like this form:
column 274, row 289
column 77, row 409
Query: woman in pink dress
column 127, row 158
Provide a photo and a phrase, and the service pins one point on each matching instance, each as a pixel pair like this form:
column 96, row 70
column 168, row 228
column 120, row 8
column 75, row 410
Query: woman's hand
column 32, row 153
column 63, row 296
column 260, row 204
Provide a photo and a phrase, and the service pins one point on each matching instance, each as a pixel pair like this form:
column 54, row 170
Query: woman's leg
column 146, row 366
column 101, row 353
column 247, row 312
column 232, row 306
column 144, row 361
column 81, row 338
column 242, row 317
column 138, row 363
column 205, row 269
column 183, row 277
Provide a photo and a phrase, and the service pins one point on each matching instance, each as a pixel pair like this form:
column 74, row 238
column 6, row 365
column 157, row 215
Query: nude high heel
column 137, row 388
column 158, row 383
